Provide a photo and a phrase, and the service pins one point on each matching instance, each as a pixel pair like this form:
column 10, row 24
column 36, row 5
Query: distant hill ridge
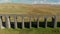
column 44, row 9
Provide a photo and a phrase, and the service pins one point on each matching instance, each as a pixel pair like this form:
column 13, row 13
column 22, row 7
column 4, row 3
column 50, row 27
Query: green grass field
column 31, row 31
column 28, row 10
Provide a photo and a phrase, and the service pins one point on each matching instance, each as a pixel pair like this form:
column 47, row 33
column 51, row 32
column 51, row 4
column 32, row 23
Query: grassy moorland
column 28, row 10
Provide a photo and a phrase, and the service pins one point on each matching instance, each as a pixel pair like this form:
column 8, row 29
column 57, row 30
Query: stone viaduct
column 7, row 20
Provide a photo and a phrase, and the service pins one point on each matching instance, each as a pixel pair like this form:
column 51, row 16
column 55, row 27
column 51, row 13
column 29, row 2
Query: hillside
column 29, row 9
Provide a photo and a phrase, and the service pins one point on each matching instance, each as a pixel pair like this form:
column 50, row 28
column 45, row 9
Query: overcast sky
column 32, row 1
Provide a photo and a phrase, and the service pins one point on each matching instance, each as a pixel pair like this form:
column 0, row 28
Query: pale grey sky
column 32, row 1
